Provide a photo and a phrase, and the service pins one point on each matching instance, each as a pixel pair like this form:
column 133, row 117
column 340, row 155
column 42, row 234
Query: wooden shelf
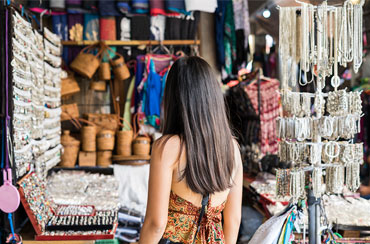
column 131, row 160
column 134, row 43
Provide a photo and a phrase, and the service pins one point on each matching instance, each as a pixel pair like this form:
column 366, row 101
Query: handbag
column 69, row 86
column 86, row 63
column 69, row 111
column 205, row 201
column 104, row 121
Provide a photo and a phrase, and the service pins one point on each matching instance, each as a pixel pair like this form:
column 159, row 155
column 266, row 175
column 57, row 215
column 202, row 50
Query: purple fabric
column 7, row 118
column 74, row 19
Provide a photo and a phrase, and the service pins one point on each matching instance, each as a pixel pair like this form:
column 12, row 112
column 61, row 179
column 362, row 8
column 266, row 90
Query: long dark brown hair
column 194, row 109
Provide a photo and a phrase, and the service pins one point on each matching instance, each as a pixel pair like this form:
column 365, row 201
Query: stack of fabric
column 129, row 225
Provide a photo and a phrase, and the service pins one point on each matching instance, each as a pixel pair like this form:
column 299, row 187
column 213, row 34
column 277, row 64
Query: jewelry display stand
column 49, row 235
column 318, row 142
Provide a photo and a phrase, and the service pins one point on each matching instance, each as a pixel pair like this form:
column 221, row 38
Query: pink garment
column 270, row 110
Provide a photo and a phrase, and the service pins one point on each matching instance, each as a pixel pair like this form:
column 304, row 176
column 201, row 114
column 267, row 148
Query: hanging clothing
column 241, row 18
column 270, row 110
column 152, row 96
column 219, row 32
column 183, row 218
column 229, row 40
column 203, row 5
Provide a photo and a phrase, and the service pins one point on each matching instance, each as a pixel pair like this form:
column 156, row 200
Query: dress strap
column 205, row 201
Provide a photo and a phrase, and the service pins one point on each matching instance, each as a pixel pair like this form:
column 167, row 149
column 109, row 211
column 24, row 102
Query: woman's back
column 195, row 157
column 185, row 205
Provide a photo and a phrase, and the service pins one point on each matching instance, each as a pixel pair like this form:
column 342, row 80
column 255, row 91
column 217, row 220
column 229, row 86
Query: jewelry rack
column 87, row 230
column 329, row 36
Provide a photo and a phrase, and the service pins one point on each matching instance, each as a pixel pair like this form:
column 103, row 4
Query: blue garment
column 177, row 6
column 91, row 27
column 289, row 227
column 140, row 67
column 219, row 30
column 153, row 92
column 60, row 27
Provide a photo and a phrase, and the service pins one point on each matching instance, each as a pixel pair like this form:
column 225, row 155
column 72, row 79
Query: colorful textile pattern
column 270, row 110
column 183, row 218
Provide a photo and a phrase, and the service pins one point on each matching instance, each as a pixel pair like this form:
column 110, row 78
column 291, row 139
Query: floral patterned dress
column 183, row 218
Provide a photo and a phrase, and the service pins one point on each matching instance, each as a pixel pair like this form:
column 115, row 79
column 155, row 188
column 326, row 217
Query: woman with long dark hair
column 195, row 170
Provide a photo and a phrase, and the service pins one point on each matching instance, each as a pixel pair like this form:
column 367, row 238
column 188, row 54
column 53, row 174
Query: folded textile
column 91, row 27
column 124, row 6
column 133, row 186
column 108, row 8
column 140, row 27
column 204, row 5
column 126, row 217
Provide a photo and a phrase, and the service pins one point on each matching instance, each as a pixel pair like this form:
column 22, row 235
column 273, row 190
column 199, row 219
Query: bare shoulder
column 237, row 156
column 167, row 149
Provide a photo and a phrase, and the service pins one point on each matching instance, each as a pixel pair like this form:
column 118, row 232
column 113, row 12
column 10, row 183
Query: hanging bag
column 69, row 111
column 69, row 86
column 87, row 63
column 120, row 69
column 104, row 68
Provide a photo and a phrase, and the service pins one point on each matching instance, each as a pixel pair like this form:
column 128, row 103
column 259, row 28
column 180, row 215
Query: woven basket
column 104, row 121
column 104, row 71
column 141, row 145
column 71, row 149
column 98, row 86
column 87, row 159
column 69, row 86
column 86, row 63
column 120, row 70
column 69, row 111
column 105, row 140
column 124, row 142
column 104, row 158
column 88, row 134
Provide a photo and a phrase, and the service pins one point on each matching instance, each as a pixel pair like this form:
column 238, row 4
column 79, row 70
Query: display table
column 58, row 242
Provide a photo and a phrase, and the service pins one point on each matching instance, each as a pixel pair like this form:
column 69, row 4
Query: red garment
column 270, row 109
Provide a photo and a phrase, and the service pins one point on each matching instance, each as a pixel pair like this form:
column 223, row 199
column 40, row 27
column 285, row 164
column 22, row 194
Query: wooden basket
column 120, row 70
column 104, row 71
column 104, row 158
column 104, row 121
column 69, row 86
column 98, row 86
column 105, row 140
column 87, row 159
column 71, row 149
column 86, row 63
column 141, row 146
column 124, row 142
column 69, row 111
column 88, row 134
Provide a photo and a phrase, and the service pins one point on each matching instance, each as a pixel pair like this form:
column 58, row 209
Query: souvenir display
column 69, row 221
column 36, row 97
column 327, row 36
